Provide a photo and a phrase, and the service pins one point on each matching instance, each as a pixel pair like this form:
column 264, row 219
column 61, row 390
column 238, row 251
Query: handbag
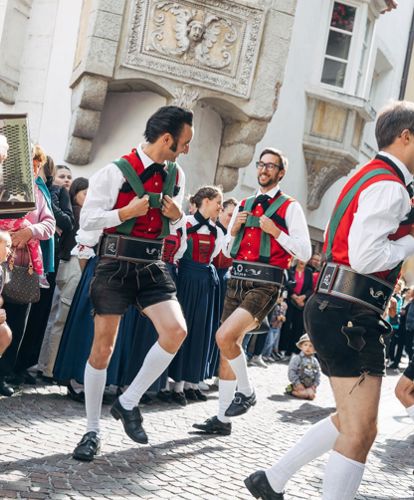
column 22, row 283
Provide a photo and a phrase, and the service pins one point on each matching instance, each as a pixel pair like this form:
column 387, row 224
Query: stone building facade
column 306, row 76
column 337, row 77
column 118, row 60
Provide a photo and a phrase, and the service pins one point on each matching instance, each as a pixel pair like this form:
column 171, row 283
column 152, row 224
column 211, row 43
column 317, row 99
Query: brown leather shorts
column 256, row 298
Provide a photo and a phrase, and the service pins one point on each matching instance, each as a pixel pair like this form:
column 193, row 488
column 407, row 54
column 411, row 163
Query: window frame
column 354, row 62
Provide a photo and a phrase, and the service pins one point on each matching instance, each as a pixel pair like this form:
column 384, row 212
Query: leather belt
column 137, row 250
column 256, row 271
column 343, row 282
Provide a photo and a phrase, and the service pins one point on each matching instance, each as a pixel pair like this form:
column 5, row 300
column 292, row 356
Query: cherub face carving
column 196, row 31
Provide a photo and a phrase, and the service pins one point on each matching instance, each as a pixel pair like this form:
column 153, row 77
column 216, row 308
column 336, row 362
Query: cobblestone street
column 40, row 426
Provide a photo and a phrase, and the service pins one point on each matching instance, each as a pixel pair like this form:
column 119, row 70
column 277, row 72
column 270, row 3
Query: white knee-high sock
column 155, row 362
column 94, row 383
column 226, row 395
column 410, row 411
column 342, row 477
column 179, row 386
column 239, row 367
column 316, row 441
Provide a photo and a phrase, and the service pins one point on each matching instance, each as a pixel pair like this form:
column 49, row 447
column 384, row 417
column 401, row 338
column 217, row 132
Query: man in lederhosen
column 266, row 230
column 369, row 234
column 133, row 201
column 405, row 389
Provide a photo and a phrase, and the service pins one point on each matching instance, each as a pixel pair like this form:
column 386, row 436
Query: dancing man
column 369, row 235
column 266, row 230
column 134, row 200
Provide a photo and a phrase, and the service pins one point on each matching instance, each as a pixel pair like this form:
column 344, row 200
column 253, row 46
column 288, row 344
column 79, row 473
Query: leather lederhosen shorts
column 119, row 284
column 347, row 337
column 255, row 297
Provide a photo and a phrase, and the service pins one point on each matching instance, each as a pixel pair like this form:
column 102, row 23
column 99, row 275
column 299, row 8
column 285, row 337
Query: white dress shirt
column 297, row 242
column 98, row 213
column 381, row 208
column 219, row 243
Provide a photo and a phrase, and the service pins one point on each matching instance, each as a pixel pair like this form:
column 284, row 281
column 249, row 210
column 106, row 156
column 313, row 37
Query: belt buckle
column 328, row 277
column 111, row 246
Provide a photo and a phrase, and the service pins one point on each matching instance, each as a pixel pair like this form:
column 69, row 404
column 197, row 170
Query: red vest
column 340, row 243
column 150, row 225
column 250, row 244
column 220, row 261
column 200, row 247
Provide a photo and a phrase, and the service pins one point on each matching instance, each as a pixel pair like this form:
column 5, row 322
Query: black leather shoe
column 5, row 389
column 240, row 404
column 88, row 447
column 259, row 487
column 179, row 398
column 75, row 396
column 200, row 395
column 145, row 400
column 190, row 395
column 214, row 426
column 164, row 396
column 132, row 421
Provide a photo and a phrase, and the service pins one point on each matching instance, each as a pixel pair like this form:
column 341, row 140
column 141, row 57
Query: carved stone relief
column 215, row 45
column 228, row 55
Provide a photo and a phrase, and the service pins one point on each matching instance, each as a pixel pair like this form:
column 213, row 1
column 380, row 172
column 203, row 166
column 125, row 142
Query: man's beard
column 268, row 182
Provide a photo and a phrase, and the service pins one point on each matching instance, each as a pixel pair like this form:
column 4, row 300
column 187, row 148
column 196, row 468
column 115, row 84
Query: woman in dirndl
column 196, row 285
column 222, row 265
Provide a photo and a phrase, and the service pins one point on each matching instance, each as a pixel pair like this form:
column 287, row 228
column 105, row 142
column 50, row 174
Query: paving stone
column 39, row 428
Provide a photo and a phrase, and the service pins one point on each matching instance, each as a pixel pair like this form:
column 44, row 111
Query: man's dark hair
column 229, row 201
column 168, row 119
column 392, row 120
column 275, row 152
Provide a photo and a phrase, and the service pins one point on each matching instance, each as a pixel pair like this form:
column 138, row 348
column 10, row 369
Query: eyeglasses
column 267, row 166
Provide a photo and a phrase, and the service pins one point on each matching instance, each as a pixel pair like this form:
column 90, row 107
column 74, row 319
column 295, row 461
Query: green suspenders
column 155, row 199
column 254, row 221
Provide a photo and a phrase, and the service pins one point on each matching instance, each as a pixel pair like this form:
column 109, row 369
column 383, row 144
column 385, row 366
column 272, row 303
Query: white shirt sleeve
column 219, row 244
column 180, row 223
column 381, row 208
column 228, row 238
column 97, row 211
column 297, row 242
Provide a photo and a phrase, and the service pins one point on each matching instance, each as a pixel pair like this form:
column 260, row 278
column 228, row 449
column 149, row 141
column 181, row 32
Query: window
column 339, row 43
column 364, row 56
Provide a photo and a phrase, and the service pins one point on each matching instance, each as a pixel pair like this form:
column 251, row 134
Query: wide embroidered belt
column 137, row 250
column 256, row 271
column 343, row 282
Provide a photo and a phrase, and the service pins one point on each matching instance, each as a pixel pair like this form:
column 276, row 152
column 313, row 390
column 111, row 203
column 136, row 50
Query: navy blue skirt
column 196, row 284
column 220, row 293
column 77, row 337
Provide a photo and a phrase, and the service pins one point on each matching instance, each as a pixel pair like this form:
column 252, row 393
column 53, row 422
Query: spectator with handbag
column 5, row 332
column 42, row 227
column 40, row 312
column 67, row 279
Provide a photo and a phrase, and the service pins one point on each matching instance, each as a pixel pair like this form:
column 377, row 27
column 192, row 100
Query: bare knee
column 5, row 337
column 172, row 339
column 224, row 338
column 361, row 439
column 178, row 334
column 101, row 355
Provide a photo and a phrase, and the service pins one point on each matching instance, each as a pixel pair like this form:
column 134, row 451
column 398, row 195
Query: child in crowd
column 5, row 332
column 277, row 318
column 304, row 371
